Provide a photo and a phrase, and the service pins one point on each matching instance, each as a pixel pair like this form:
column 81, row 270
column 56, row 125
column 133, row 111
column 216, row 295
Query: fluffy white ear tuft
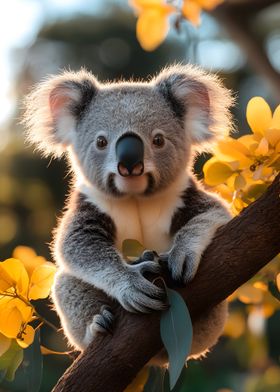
column 54, row 107
column 200, row 99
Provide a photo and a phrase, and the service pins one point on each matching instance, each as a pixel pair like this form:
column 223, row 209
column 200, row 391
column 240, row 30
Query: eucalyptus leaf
column 176, row 334
column 156, row 381
column 132, row 248
column 34, row 365
column 274, row 289
column 11, row 360
column 2, row 375
column 256, row 190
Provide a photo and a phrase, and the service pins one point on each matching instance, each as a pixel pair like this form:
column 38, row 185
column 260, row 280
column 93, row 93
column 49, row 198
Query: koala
column 130, row 146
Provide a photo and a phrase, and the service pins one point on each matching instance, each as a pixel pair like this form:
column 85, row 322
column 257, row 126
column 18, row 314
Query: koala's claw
column 102, row 322
column 149, row 266
column 181, row 263
column 139, row 294
column 147, row 255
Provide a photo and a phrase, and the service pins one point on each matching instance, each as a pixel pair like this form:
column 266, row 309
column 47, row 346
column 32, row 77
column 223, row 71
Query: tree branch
column 239, row 250
column 249, row 5
column 236, row 18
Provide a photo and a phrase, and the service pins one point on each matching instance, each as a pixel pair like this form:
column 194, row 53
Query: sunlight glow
column 19, row 22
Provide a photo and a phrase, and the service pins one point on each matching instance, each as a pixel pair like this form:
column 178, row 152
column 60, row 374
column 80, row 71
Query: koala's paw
column 147, row 255
column 138, row 294
column 102, row 322
column 181, row 262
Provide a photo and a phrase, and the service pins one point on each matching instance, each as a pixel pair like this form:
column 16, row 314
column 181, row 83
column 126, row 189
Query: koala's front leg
column 85, row 246
column 84, row 311
column 190, row 242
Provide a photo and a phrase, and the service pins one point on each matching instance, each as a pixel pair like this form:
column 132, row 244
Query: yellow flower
column 153, row 17
column 240, row 171
column 14, row 317
column 152, row 24
column 216, row 172
column 15, row 280
column 26, row 336
column 41, row 272
column 249, row 294
column 235, row 325
column 41, row 281
column 27, row 277
column 261, row 121
column 191, row 9
column 13, row 275
column 246, row 166
column 28, row 257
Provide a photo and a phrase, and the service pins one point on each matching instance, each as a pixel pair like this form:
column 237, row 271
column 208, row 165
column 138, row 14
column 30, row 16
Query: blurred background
column 239, row 40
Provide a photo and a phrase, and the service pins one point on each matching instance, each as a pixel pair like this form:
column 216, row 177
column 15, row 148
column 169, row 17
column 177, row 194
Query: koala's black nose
column 130, row 155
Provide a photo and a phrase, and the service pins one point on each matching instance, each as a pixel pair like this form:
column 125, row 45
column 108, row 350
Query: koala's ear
column 54, row 107
column 199, row 100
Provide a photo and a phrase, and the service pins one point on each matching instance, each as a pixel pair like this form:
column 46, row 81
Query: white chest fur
column 146, row 220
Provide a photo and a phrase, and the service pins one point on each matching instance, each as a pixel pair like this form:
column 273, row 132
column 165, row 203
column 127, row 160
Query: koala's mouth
column 131, row 185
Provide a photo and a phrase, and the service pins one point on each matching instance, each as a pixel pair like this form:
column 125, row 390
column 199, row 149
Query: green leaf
column 256, row 190
column 157, row 380
column 34, row 365
column 176, row 334
column 274, row 289
column 2, row 375
column 132, row 248
column 10, row 360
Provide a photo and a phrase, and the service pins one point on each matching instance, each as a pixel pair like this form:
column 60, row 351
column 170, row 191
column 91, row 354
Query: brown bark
column 239, row 250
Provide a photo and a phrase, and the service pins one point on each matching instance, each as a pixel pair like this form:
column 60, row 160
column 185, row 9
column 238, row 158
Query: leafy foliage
column 176, row 334
column 23, row 278
column 242, row 169
column 132, row 249
column 10, row 360
column 34, row 365
column 157, row 380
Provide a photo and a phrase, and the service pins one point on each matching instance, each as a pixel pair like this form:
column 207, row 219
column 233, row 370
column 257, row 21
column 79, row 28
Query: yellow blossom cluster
column 241, row 169
column 23, row 278
column 153, row 17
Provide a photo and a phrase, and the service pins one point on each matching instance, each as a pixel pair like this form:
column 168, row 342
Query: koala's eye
column 101, row 142
column 158, row 140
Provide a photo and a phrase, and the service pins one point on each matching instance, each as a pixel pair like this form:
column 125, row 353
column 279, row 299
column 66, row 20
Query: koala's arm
column 193, row 226
column 84, row 247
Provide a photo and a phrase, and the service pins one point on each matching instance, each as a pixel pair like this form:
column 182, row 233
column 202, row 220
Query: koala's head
column 128, row 138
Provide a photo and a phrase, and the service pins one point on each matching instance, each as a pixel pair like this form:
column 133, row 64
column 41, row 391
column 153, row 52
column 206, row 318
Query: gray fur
column 164, row 208
column 84, row 234
column 78, row 303
column 194, row 224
